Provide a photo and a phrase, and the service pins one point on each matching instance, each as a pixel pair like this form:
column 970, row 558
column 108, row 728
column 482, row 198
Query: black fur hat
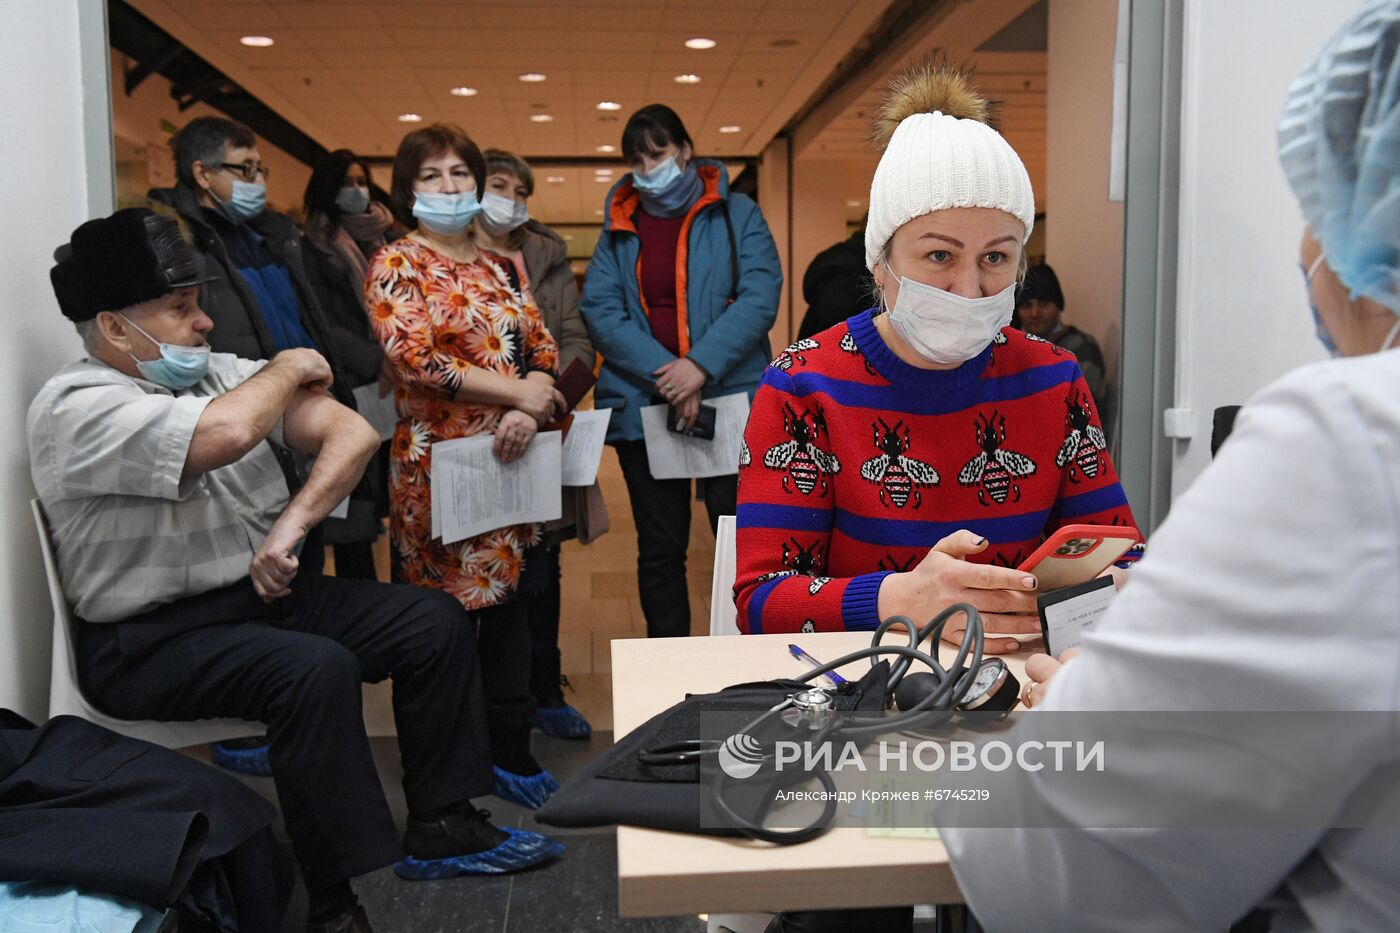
column 115, row 262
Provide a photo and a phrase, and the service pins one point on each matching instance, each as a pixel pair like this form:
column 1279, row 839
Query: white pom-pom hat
column 940, row 155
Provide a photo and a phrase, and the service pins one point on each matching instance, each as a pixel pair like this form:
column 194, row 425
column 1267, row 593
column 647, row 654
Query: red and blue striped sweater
column 855, row 463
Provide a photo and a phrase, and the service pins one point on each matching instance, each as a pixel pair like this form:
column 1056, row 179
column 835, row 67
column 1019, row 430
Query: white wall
column 1242, row 315
column 53, row 132
column 1084, row 229
column 819, row 220
column 775, row 200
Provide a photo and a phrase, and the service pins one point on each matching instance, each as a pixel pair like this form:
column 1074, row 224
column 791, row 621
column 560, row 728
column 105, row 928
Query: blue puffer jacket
column 728, row 340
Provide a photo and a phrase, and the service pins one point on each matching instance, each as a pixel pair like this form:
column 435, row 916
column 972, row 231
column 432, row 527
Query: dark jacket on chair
column 84, row 806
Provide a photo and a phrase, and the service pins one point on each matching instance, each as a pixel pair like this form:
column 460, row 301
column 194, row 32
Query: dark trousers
column 542, row 610
column 297, row 665
column 661, row 510
column 355, row 561
column 503, row 641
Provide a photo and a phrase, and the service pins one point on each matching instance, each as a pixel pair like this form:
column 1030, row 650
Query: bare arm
column 534, row 395
column 237, row 421
column 342, row 443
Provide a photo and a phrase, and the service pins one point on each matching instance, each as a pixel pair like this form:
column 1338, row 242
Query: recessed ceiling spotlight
column 699, row 43
column 541, row 118
column 410, row 118
column 609, row 105
column 555, row 179
column 463, row 91
column 605, row 148
column 687, row 79
column 731, row 128
column 598, row 212
column 853, row 204
column 257, row 42
column 531, row 77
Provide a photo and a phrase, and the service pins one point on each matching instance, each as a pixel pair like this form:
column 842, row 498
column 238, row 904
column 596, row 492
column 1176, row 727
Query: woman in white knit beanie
column 889, row 455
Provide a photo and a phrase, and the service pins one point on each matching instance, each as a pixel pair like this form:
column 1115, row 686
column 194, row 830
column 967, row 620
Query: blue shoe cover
column 242, row 760
column 529, row 792
column 520, row 851
column 562, row 722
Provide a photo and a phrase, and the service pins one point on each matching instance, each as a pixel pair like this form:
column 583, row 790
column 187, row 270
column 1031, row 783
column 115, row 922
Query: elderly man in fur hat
column 177, row 545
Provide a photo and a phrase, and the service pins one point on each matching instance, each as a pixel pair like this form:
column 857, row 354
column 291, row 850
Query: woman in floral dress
column 469, row 356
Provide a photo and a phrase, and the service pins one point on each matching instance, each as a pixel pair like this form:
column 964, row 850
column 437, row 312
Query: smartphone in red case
column 1078, row 553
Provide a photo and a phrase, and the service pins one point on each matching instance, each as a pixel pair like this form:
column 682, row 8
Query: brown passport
column 574, row 383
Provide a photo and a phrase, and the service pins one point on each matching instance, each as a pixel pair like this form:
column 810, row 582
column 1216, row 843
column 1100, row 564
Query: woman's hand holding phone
column 1004, row 597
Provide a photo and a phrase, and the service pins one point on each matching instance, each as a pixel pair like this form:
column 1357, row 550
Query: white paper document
column 583, row 448
column 473, row 492
column 675, row 456
column 379, row 412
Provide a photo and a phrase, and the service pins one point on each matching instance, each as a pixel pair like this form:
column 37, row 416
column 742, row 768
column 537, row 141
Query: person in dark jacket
column 541, row 261
column 681, row 293
column 344, row 227
column 836, row 285
column 1040, row 305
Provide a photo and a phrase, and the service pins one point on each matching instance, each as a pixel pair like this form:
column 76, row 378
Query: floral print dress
column 437, row 318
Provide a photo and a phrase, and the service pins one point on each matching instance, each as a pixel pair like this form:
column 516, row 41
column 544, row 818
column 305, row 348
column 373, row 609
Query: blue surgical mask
column 667, row 191
column 352, row 200
column 1323, row 337
column 658, row 179
column 178, row 367
column 500, row 215
column 246, row 202
column 446, row 214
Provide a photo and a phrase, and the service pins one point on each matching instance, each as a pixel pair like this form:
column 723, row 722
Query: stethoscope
column 928, row 698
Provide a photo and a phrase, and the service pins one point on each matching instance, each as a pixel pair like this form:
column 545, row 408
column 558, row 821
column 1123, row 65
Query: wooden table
column 663, row 873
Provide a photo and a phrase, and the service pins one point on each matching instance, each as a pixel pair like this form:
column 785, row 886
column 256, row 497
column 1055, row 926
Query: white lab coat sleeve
column 1273, row 585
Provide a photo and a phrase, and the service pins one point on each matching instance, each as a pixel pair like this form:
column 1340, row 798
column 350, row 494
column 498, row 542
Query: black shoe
column 463, row 832
column 352, row 921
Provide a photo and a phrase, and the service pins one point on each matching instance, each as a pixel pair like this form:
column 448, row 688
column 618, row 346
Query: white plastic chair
column 66, row 698
column 724, row 618
column 724, row 621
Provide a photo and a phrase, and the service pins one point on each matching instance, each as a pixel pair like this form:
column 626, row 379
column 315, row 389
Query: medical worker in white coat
column 1273, row 585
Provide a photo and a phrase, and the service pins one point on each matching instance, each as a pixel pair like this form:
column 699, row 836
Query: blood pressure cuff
column 618, row 788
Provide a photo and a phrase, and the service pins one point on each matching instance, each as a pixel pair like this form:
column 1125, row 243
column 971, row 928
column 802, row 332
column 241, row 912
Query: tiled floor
column 579, row 892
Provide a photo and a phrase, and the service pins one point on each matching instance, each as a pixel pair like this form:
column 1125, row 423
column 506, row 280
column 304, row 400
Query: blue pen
column 835, row 678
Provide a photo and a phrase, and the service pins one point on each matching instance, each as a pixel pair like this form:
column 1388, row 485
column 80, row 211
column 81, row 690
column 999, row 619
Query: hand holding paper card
column 1067, row 614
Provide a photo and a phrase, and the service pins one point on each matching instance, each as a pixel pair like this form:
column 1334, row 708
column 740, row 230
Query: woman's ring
column 1026, row 693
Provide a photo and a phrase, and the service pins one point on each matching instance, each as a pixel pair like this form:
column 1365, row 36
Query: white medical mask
column 500, row 215
column 352, row 199
column 945, row 328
